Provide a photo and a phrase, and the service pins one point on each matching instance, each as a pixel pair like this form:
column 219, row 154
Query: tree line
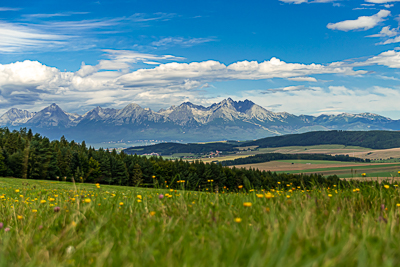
column 368, row 139
column 279, row 156
column 32, row 156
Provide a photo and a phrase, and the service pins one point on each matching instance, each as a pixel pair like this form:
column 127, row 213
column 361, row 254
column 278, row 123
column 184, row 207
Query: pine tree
column 136, row 176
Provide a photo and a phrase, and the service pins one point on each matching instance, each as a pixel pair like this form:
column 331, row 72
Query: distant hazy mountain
column 228, row 119
column 16, row 117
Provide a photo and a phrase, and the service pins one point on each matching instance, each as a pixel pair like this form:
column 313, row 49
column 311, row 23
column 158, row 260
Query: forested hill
column 32, row 156
column 171, row 148
column 368, row 139
column 267, row 157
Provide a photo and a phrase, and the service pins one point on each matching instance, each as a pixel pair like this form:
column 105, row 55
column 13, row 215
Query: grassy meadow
column 47, row 223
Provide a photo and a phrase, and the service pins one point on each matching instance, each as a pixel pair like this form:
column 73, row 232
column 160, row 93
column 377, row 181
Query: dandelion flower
column 386, row 186
column 34, row 211
column 152, row 213
column 87, row 200
column 121, row 203
column 247, row 204
column 42, row 201
column 17, row 191
column 238, row 220
column 19, row 217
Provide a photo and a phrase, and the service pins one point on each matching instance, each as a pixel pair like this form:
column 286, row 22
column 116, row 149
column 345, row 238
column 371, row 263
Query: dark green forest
column 368, row 139
column 32, row 156
column 278, row 156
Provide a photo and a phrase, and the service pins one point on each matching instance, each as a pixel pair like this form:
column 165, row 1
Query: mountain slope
column 15, row 117
column 228, row 119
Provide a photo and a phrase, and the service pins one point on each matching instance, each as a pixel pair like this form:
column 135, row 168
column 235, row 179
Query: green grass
column 303, row 161
column 310, row 228
column 325, row 147
column 371, row 175
column 362, row 166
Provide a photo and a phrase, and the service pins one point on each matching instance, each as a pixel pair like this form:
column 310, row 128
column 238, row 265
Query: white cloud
column 64, row 14
column 116, row 81
column 391, row 41
column 381, row 1
column 22, row 37
column 385, row 32
column 294, row 1
column 361, row 23
column 8, row 9
column 306, row 1
column 16, row 37
column 180, row 41
column 303, row 79
column 288, row 89
column 331, row 100
column 207, row 71
column 389, row 59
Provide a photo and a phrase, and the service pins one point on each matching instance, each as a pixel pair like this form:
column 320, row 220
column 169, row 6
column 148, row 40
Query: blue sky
column 299, row 56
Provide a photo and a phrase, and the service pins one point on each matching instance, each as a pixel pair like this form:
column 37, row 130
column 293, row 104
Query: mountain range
column 226, row 120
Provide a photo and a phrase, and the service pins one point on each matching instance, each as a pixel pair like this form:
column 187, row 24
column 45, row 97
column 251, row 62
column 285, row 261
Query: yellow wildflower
column 247, row 204
column 238, row 220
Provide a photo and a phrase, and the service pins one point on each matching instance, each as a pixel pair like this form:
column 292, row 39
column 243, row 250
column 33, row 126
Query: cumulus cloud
column 389, row 59
column 118, row 80
column 330, row 100
column 391, row 41
column 361, row 23
column 206, row 71
column 385, row 32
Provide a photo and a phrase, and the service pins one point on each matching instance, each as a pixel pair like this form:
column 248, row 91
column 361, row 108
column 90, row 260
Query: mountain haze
column 228, row 119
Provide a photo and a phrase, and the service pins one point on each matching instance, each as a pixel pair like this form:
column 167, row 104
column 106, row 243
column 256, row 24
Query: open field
column 303, row 165
column 352, row 151
column 318, row 149
column 59, row 224
column 341, row 169
column 360, row 152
